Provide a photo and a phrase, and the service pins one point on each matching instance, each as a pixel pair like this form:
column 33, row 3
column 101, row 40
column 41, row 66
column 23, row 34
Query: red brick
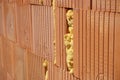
column 108, row 6
column 35, row 68
column 84, row 45
column 103, row 3
column 3, row 74
column 2, row 19
column 97, row 24
column 9, row 77
column 113, row 5
column 19, row 67
column 101, row 54
column 1, row 53
column 23, row 28
column 8, row 57
column 45, row 2
column 106, row 42
column 80, row 44
column 117, row 47
column 92, row 45
column 111, row 45
column 42, row 40
column 60, row 32
column 117, row 5
column 88, row 21
column 94, row 4
column 10, row 20
column 98, row 5
column 76, row 42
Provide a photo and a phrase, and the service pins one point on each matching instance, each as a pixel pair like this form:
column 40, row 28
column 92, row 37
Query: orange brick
column 10, row 21
column 23, row 26
column 117, row 47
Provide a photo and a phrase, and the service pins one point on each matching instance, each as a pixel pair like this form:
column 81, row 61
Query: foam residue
column 68, row 41
column 45, row 65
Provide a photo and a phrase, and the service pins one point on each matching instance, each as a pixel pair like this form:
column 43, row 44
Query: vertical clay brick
column 117, row 47
column 1, row 19
column 24, row 25
column 41, row 39
column 43, row 26
column 113, row 5
column 1, row 53
column 94, row 4
column 66, row 3
column 106, row 43
column 92, row 45
column 88, row 54
column 52, row 35
column 26, row 64
column 97, row 18
column 74, row 3
column 84, row 45
column 34, row 69
column 98, row 4
column 101, row 47
column 60, row 73
column 10, row 21
column 38, row 2
column 8, row 57
column 56, row 77
column 58, row 59
column 76, row 42
column 35, row 28
column 111, row 45
column 86, row 4
column 81, row 4
column 60, row 35
column 42, row 23
column 25, row 1
column 49, row 71
column 19, row 63
column 71, row 77
column 47, row 30
column 59, row 2
column 9, row 77
column 117, row 5
column 64, row 29
column 103, row 3
column 108, row 6
column 40, row 34
column 81, row 44
column 61, row 29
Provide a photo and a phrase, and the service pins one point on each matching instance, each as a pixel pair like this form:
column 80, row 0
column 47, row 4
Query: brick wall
column 32, row 31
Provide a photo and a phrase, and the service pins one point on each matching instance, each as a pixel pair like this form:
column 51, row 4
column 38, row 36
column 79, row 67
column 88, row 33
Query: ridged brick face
column 59, row 39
